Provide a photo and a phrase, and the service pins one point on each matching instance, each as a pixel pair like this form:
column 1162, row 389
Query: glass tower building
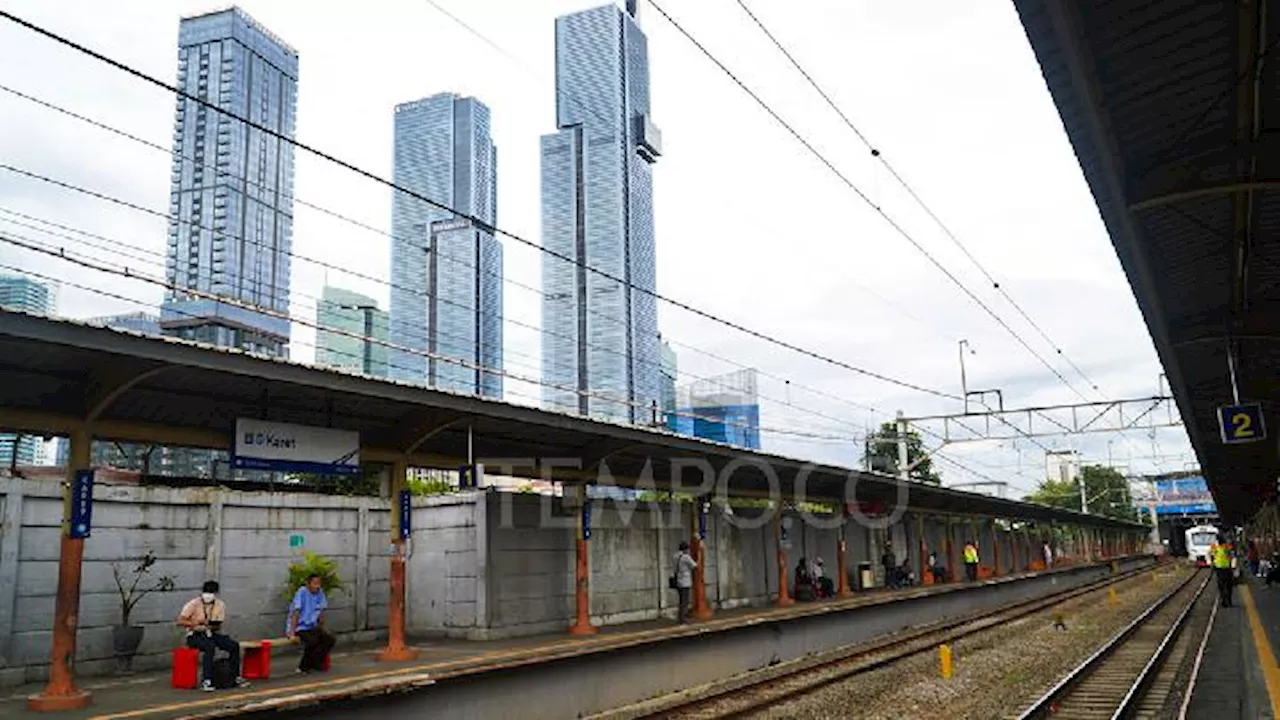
column 355, row 315
column 725, row 408
column 24, row 295
column 139, row 322
column 231, row 200
column 446, row 271
column 600, row 350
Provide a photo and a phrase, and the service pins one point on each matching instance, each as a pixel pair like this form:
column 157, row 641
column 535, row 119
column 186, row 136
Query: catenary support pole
column 397, row 649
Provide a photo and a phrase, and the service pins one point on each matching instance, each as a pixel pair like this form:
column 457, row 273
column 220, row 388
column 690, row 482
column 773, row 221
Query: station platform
column 1239, row 677
column 356, row 675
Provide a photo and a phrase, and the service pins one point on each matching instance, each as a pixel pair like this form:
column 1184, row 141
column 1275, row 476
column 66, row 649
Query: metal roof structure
column 1169, row 106
column 57, row 372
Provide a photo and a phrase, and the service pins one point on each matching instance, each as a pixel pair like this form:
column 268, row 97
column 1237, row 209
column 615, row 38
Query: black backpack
column 224, row 676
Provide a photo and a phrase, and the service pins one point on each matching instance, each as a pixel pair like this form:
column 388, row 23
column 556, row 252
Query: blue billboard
column 1184, row 496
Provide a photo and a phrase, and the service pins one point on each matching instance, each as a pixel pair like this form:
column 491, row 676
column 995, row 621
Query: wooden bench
column 255, row 657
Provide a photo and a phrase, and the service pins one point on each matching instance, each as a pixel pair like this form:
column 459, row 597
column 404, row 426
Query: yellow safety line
column 1266, row 657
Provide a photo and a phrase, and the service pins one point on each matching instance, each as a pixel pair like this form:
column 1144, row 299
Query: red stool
column 186, row 668
column 255, row 662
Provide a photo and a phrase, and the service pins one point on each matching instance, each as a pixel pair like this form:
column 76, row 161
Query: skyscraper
column 232, row 185
column 600, row 352
column 25, row 295
column 667, row 383
column 446, row 271
column 353, row 314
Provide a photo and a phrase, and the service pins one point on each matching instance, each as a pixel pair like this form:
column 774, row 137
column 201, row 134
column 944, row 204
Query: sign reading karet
column 1242, row 423
column 262, row 445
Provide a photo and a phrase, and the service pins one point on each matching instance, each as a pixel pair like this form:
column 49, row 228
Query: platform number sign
column 80, row 522
column 1242, row 423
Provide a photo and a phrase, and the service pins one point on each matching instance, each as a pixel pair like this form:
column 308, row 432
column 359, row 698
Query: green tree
column 881, row 454
column 1106, row 493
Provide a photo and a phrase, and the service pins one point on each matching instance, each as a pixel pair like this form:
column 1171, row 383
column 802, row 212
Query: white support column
column 10, row 544
column 481, row 520
column 362, row 565
column 213, row 540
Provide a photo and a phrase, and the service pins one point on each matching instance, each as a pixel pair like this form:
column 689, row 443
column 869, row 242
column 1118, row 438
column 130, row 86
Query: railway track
column 1131, row 675
column 761, row 689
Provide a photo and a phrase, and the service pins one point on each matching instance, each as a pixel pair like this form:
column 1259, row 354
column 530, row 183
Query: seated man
column 306, row 622
column 203, row 617
column 822, row 584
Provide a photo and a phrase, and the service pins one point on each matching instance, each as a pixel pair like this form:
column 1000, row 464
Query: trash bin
column 866, row 578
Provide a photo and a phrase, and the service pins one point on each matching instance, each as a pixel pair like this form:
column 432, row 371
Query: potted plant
column 125, row 637
column 312, row 564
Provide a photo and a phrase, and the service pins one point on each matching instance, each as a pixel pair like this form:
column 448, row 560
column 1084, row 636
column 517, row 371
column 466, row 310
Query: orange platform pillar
column 784, row 594
column 397, row 650
column 61, row 693
column 701, row 610
column 582, row 572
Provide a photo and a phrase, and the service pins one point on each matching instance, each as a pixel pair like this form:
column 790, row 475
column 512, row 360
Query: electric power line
column 876, row 153
column 474, row 220
column 863, row 196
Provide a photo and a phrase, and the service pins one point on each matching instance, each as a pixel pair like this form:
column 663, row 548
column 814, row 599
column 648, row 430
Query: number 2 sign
column 1242, row 423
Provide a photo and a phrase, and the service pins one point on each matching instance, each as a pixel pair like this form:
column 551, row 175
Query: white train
column 1199, row 538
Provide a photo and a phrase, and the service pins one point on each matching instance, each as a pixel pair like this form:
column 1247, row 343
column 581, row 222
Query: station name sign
column 263, row 445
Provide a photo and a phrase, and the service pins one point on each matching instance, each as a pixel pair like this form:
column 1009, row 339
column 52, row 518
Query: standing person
column 889, row 561
column 971, row 561
column 821, row 582
column 1047, row 551
column 203, row 617
column 939, row 572
column 1220, row 558
column 1253, row 558
column 306, row 622
column 685, row 565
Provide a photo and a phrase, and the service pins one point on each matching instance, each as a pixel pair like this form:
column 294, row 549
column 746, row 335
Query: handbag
column 671, row 583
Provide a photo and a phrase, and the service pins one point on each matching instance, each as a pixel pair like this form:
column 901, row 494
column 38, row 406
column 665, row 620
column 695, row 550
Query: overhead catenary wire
column 419, row 331
column 467, row 216
column 878, row 154
column 131, row 252
column 830, row 166
column 125, row 272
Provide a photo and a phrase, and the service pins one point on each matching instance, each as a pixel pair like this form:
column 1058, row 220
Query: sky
column 750, row 226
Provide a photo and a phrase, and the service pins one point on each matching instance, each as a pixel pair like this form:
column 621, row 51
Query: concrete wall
column 246, row 541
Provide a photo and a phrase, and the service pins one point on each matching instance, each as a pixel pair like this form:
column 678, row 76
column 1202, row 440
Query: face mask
column 207, row 597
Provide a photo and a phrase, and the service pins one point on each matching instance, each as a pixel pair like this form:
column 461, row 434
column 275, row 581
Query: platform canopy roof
column 167, row 391
column 1173, row 108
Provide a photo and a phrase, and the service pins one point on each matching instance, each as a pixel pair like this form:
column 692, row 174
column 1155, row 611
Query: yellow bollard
column 944, row 655
column 1111, row 595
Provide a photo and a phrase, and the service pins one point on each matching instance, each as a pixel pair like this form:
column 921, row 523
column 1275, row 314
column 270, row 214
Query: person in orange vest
column 971, row 561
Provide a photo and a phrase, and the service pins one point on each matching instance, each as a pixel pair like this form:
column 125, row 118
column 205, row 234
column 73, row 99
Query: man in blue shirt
column 306, row 622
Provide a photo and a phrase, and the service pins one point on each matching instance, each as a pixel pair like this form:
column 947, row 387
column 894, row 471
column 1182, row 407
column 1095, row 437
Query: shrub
column 313, row 564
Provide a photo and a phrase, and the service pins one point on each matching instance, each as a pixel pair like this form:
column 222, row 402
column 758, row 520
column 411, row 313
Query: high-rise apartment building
column 343, row 318
column 600, row 348
column 25, row 295
column 232, row 185
column 725, row 408
column 446, row 271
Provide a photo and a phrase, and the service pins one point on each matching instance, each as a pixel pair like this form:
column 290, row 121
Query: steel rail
column 1047, row 704
column 856, row 657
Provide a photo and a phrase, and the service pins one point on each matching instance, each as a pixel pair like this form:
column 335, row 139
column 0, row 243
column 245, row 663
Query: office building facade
column 600, row 347
column 343, row 319
column 446, row 270
column 23, row 294
column 231, row 233
column 724, row 408
column 139, row 322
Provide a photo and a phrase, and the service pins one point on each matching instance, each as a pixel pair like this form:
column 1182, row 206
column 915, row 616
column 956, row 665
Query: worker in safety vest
column 971, row 561
column 1220, row 559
